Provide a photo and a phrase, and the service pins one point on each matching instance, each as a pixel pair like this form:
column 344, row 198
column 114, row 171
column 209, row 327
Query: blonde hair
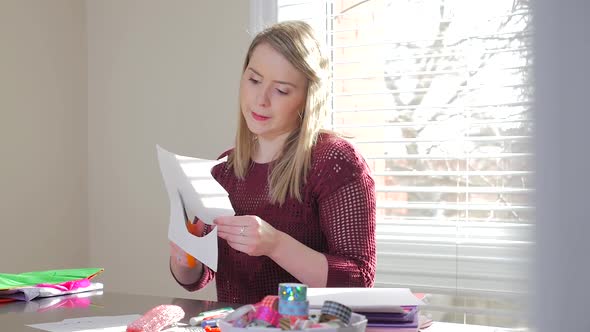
column 296, row 41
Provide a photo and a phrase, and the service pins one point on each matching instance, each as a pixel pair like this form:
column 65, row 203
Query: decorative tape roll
column 239, row 317
column 285, row 323
column 266, row 314
column 333, row 310
column 271, row 301
column 293, row 308
column 292, row 292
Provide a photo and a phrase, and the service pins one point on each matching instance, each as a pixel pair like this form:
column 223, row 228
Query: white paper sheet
column 454, row 327
column 364, row 299
column 88, row 324
column 193, row 190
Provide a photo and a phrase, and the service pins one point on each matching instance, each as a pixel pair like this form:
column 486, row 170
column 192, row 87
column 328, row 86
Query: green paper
column 12, row 281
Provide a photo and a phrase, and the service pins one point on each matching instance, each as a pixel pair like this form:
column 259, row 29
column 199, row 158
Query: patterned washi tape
column 239, row 317
column 293, row 308
column 266, row 315
column 333, row 310
column 271, row 301
column 285, row 323
column 292, row 292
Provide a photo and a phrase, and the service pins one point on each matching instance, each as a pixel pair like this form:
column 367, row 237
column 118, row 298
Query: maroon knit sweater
column 336, row 217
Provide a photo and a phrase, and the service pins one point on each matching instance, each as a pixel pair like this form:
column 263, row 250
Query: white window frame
column 430, row 242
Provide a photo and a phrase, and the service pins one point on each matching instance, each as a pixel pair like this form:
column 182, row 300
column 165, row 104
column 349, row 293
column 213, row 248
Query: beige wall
column 43, row 142
column 159, row 72
column 87, row 89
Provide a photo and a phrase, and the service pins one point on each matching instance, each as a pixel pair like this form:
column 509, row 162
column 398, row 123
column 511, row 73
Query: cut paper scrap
column 193, row 193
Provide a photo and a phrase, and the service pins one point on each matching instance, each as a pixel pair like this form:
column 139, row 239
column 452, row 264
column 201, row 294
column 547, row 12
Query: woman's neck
column 269, row 149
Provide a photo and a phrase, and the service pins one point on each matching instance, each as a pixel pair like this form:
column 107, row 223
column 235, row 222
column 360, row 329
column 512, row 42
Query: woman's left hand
column 248, row 234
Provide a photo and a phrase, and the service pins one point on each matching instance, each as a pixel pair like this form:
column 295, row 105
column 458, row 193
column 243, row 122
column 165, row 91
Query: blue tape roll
column 293, row 308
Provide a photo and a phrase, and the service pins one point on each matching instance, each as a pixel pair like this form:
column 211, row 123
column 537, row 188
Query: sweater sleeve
column 345, row 194
column 207, row 274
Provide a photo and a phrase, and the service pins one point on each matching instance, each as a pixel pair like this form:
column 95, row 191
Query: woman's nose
column 262, row 97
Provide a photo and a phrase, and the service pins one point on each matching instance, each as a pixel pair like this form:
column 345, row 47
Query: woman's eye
column 282, row 92
column 253, row 80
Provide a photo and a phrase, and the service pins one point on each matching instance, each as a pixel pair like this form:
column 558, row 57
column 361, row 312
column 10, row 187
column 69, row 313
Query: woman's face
column 272, row 93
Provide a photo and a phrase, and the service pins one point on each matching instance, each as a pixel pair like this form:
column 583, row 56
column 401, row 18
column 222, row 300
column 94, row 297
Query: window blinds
column 437, row 96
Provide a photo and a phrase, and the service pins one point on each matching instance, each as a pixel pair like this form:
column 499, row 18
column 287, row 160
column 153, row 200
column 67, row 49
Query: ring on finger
column 242, row 229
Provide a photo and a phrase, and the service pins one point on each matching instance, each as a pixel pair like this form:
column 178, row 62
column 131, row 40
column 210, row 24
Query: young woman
column 304, row 198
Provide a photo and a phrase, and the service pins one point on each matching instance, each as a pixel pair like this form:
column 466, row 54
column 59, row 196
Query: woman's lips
column 259, row 117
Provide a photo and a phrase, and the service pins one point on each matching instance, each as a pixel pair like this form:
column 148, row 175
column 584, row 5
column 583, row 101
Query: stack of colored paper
column 406, row 321
column 386, row 309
